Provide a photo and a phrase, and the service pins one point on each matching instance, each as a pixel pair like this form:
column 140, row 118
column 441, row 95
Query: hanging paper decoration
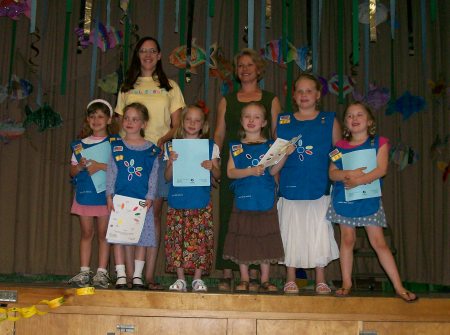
column 323, row 81
column 178, row 56
column 273, row 52
column 14, row 8
column 221, row 67
column 403, row 155
column 376, row 97
column 44, row 117
column 406, row 105
column 347, row 87
column 107, row 38
column 10, row 130
column 380, row 16
column 36, row 38
column 438, row 88
column 445, row 168
column 19, row 88
column 3, row 93
column 111, row 82
column 438, row 146
column 268, row 14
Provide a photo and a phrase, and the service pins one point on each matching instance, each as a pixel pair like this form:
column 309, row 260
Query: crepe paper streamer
column 12, row 50
column 94, row 54
column 372, row 22
column 403, row 155
column 44, row 117
column 433, row 7
column 236, row 13
column 161, row 23
column 376, row 97
column 191, row 6
column 315, row 35
column 411, row 50
column 181, row 72
column 251, row 22
column 355, row 33
column 35, row 37
column 366, row 58
column 262, row 33
column 423, row 19
column 177, row 15
column 208, row 47
column 290, row 70
column 284, row 42
column 33, row 16
column 126, row 42
column 211, row 7
column 340, row 51
column 87, row 17
column 406, row 105
column 66, row 48
column 392, row 14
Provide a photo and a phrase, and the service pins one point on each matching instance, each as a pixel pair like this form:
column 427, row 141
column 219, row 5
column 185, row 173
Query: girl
column 189, row 236
column 253, row 231
column 87, row 203
column 308, row 237
column 140, row 182
column 147, row 83
column 359, row 134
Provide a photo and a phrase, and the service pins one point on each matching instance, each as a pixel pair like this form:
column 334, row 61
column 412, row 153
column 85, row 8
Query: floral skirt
column 189, row 240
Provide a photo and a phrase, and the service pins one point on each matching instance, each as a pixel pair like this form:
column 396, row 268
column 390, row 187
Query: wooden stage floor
column 109, row 312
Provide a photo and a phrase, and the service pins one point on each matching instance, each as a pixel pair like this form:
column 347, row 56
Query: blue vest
column 133, row 169
column 356, row 208
column 253, row 193
column 189, row 197
column 304, row 176
column 85, row 190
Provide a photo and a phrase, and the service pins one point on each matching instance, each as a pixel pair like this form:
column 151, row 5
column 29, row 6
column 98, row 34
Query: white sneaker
column 101, row 280
column 198, row 285
column 82, row 279
column 180, row 286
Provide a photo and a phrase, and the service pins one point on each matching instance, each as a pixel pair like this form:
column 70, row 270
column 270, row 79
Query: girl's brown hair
column 204, row 132
column 111, row 128
column 372, row 129
column 140, row 108
column 241, row 131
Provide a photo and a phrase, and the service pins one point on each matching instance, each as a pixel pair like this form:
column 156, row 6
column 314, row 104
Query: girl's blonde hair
column 312, row 77
column 241, row 131
column 256, row 58
column 372, row 129
column 141, row 109
column 111, row 128
column 204, row 132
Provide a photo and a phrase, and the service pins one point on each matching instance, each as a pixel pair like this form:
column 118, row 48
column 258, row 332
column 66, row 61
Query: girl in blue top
column 87, row 203
column 190, row 232
column 253, row 232
column 308, row 238
column 359, row 134
column 133, row 172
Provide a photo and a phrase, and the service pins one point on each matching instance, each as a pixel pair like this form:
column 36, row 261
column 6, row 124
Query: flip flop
column 343, row 292
column 290, row 288
column 153, row 286
column 406, row 296
column 322, row 288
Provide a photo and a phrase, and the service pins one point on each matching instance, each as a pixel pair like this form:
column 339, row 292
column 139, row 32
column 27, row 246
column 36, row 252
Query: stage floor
column 150, row 312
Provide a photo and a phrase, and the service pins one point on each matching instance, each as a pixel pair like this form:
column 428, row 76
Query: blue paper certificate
column 99, row 153
column 187, row 169
column 357, row 159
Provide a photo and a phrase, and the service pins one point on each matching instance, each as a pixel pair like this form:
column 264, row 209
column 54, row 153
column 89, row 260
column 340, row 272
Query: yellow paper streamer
column 372, row 20
column 87, row 17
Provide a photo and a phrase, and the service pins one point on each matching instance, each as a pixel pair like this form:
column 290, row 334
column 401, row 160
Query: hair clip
column 202, row 105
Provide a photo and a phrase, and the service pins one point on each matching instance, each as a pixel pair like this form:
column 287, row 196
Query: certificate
column 99, row 153
column 187, row 169
column 357, row 159
column 127, row 220
column 277, row 151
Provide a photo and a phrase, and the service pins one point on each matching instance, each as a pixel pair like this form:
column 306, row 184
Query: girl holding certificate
column 253, row 231
column 90, row 202
column 190, row 233
column 360, row 139
column 132, row 172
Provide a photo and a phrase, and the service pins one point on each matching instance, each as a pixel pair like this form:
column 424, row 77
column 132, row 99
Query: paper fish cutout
column 333, row 85
column 44, row 117
column 19, row 88
column 403, row 155
column 273, row 52
column 381, row 14
column 406, row 105
column 107, row 38
column 111, row 82
column 376, row 97
column 178, row 57
column 14, row 8
column 10, row 130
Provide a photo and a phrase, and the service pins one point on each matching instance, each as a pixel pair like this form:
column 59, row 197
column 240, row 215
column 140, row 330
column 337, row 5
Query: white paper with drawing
column 277, row 151
column 127, row 220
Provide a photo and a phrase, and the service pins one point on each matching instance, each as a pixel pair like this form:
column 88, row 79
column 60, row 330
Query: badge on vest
column 78, row 149
column 237, row 149
column 119, row 158
column 118, row 148
column 285, row 119
column 335, row 155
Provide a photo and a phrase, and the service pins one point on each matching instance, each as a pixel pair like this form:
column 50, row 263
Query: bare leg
column 180, row 273
column 348, row 239
column 320, row 275
column 244, row 272
column 103, row 245
column 290, row 274
column 87, row 234
column 152, row 252
column 265, row 269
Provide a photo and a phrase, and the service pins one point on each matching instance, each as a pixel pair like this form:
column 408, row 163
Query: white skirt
column 308, row 237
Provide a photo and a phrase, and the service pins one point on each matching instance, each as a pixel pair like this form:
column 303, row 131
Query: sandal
column 121, row 283
column 153, row 286
column 254, row 285
column 198, row 285
column 406, row 296
column 179, row 286
column 137, row 284
column 343, row 292
column 268, row 287
column 242, row 287
column 225, row 285
column 322, row 288
column 290, row 287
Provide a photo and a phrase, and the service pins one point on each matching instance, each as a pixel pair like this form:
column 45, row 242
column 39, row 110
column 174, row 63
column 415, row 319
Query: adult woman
column 249, row 69
column 147, row 83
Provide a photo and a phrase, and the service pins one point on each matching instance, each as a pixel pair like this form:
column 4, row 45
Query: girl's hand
column 208, row 165
column 258, row 170
column 355, row 173
column 351, row 182
column 82, row 164
column 93, row 166
column 148, row 203
column 290, row 149
column 110, row 204
column 173, row 156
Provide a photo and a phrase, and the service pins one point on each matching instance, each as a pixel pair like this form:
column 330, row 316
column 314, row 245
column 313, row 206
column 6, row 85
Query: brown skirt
column 253, row 237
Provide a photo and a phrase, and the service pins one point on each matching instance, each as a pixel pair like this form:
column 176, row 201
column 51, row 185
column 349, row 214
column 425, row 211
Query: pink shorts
column 85, row 210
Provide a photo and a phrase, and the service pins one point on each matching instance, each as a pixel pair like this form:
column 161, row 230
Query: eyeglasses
column 150, row 51
column 132, row 120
